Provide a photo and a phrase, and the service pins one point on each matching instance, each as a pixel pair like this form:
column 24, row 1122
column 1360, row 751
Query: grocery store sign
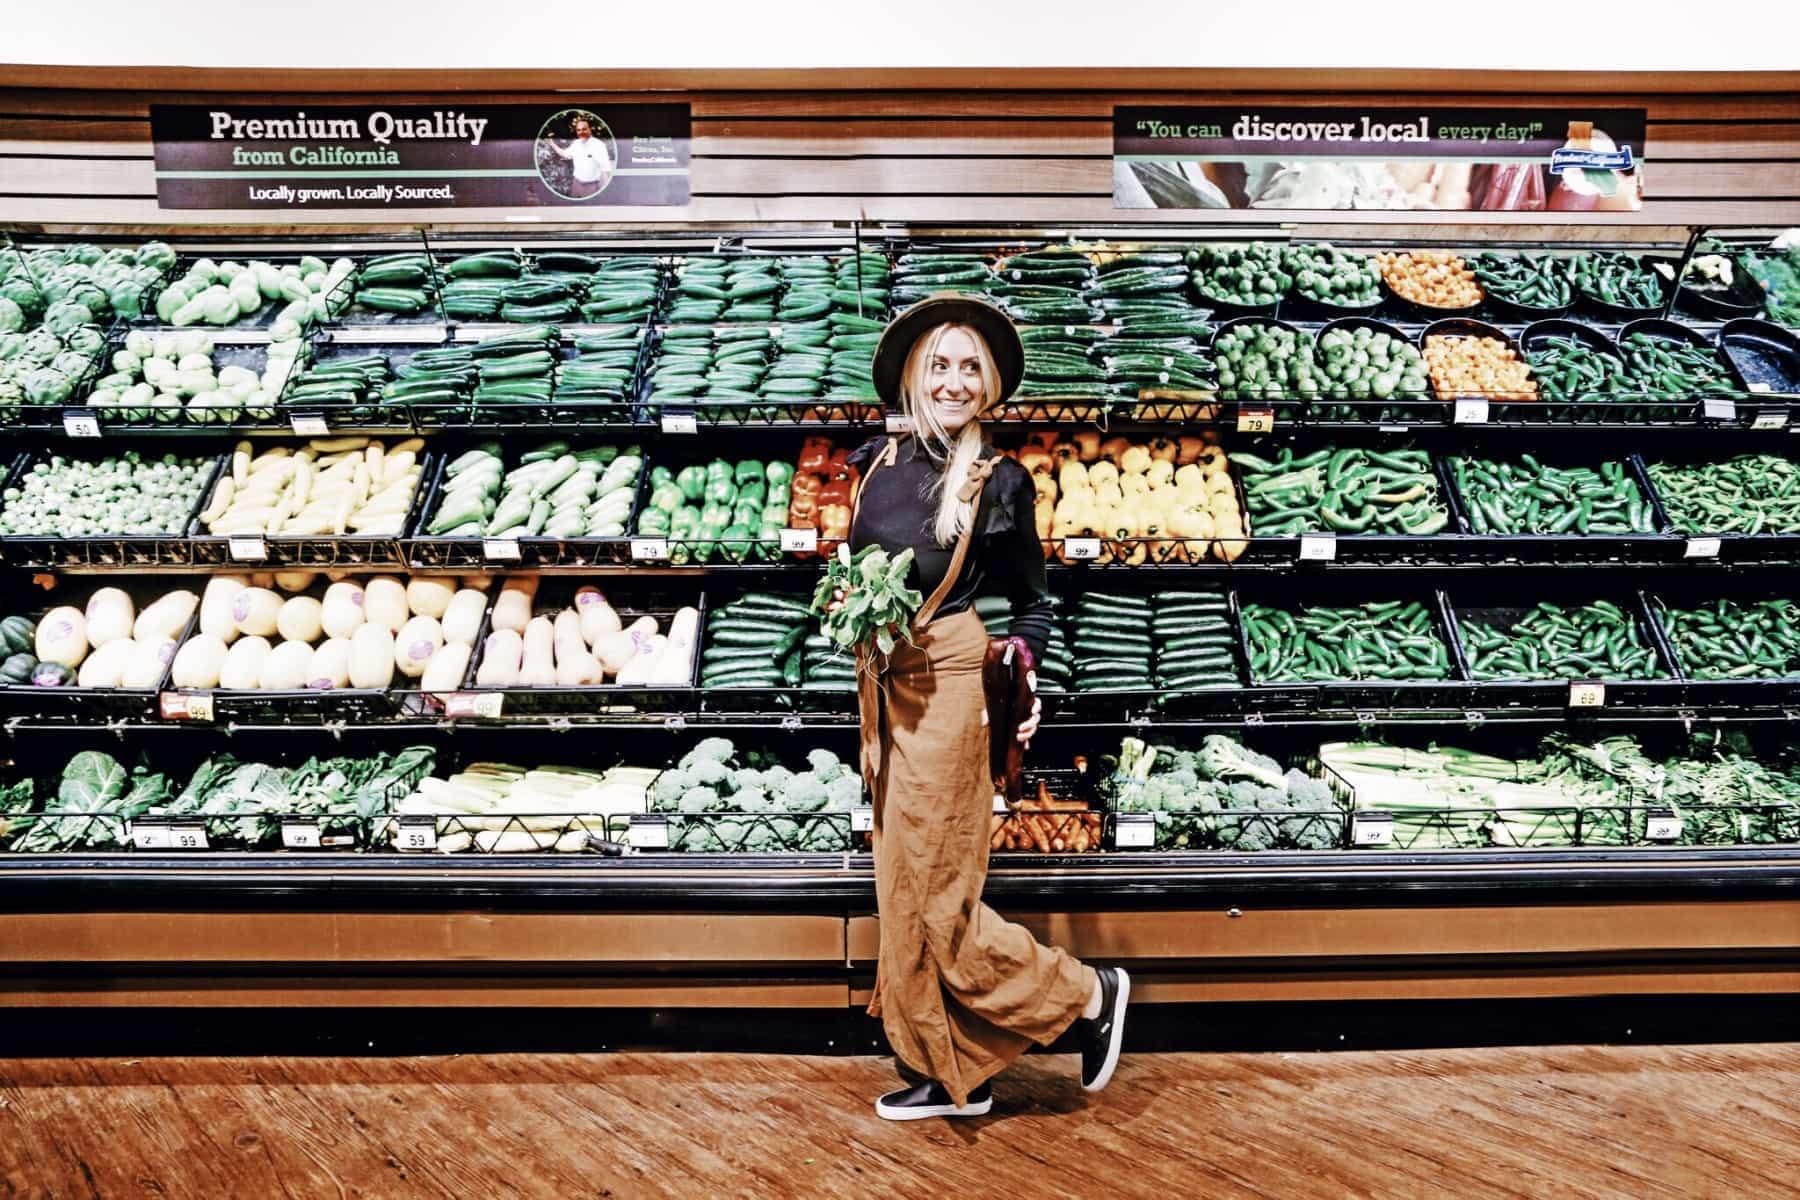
column 490, row 156
column 1392, row 159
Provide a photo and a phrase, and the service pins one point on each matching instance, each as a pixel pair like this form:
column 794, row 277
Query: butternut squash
column 166, row 618
column 199, row 662
column 330, row 665
column 256, row 610
column 597, row 616
column 301, row 620
column 420, row 639
column 343, row 611
column 372, row 656
column 109, row 615
column 428, row 597
column 287, row 668
column 242, row 670
column 217, row 607
column 539, row 666
column 501, row 656
column 462, row 619
column 384, row 603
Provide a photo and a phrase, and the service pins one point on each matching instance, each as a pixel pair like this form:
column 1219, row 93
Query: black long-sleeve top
column 898, row 507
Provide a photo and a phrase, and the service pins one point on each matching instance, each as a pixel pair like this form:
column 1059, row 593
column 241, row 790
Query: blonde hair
column 954, row 515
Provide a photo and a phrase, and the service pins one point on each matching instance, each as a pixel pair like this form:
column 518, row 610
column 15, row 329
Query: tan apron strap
column 971, row 492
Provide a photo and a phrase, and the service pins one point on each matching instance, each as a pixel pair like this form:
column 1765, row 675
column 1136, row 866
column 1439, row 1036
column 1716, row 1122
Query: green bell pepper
column 653, row 522
column 779, row 475
column 661, row 475
column 717, row 516
column 718, row 468
column 719, row 490
column 692, row 481
column 754, row 491
column 748, row 470
column 667, row 496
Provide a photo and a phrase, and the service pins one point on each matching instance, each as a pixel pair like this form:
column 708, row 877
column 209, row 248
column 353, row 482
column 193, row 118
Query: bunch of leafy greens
column 877, row 605
column 96, row 796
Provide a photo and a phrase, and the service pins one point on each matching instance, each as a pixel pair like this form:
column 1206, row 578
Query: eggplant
column 1008, row 679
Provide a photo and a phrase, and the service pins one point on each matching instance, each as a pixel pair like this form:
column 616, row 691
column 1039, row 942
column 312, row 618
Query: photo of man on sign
column 581, row 167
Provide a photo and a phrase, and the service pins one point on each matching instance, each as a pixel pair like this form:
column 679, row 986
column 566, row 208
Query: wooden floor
column 1568, row 1121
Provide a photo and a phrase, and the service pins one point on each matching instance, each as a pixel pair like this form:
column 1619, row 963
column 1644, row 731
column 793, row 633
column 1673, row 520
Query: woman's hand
column 1029, row 725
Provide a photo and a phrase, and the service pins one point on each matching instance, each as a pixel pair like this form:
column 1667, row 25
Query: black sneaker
column 1106, row 1032
column 931, row 1100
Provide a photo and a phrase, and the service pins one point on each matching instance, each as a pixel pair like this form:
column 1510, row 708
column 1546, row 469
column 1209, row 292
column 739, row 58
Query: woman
column 961, row 992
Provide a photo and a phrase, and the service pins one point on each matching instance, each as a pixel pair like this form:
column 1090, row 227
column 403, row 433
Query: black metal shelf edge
column 666, row 883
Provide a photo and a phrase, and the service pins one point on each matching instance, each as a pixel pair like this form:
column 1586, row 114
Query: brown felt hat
column 948, row 308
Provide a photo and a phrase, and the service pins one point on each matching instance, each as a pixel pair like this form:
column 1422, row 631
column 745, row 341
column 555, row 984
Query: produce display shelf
column 1115, row 858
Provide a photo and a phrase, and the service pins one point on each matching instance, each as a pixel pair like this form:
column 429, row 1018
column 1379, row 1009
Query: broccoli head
column 1245, row 794
column 749, row 779
column 1257, row 833
column 708, row 772
column 731, row 833
column 845, row 793
column 804, row 793
column 1304, row 791
column 699, row 800
column 751, row 800
column 762, row 838
column 1310, row 832
column 826, row 765
column 825, row 836
column 712, row 749
column 665, row 794
column 775, row 777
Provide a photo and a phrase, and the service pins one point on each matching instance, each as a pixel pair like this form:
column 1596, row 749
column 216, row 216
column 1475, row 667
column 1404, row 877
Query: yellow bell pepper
column 1160, row 474
column 1101, row 474
column 1072, row 478
column 1135, row 460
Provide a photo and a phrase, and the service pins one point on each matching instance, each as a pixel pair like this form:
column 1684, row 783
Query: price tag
column 1255, row 419
column 862, row 820
column 1470, row 410
column 187, row 835
column 500, row 549
column 1393, row 428
column 899, row 423
column 1701, row 547
column 1662, row 825
column 81, row 423
column 300, row 835
column 1134, row 831
column 1716, row 408
column 1770, row 418
column 799, row 541
column 247, row 547
column 310, row 426
column 185, row 706
column 149, row 835
column 416, row 833
column 1372, row 829
column 649, row 549
column 486, row 705
column 999, row 803
column 1318, row 547
column 1587, row 694
column 1080, row 549
column 649, row 831
column 680, row 423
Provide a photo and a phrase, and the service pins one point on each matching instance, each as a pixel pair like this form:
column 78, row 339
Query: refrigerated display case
column 1368, row 680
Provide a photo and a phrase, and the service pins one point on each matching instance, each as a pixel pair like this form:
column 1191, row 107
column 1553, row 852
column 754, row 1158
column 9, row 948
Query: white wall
column 1661, row 35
